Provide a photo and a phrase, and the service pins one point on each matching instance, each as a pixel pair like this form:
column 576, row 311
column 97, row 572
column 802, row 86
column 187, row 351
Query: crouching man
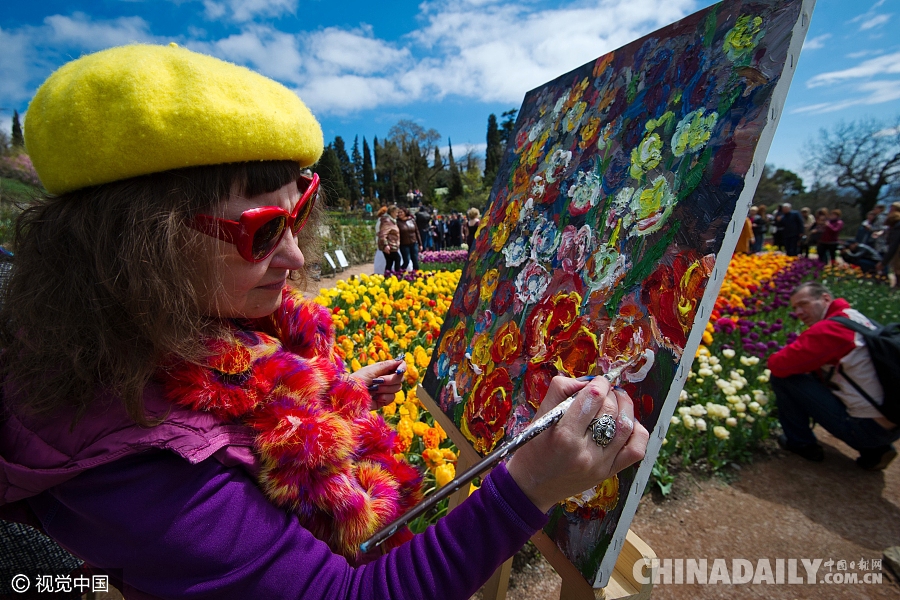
column 863, row 256
column 808, row 384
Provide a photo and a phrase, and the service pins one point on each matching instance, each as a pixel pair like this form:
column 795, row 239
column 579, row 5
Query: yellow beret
column 140, row 109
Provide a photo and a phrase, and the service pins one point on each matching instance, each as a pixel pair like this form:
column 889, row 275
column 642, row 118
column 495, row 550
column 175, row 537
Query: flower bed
column 377, row 318
column 443, row 256
column 438, row 260
column 725, row 410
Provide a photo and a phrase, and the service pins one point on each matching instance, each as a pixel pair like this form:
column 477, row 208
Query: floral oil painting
column 608, row 230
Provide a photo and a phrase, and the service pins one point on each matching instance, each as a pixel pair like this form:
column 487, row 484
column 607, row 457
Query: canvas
column 614, row 215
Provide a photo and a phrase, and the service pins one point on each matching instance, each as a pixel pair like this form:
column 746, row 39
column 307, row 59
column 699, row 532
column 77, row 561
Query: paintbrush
column 491, row 460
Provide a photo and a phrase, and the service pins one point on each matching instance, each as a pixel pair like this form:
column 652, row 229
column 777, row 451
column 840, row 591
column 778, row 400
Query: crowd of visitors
column 402, row 232
column 874, row 248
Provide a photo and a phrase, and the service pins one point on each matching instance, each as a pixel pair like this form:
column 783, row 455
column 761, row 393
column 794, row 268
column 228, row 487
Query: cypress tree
column 456, row 186
column 329, row 170
column 18, row 140
column 368, row 172
column 506, row 127
column 438, row 161
column 493, row 153
column 351, row 187
column 357, row 162
column 376, row 166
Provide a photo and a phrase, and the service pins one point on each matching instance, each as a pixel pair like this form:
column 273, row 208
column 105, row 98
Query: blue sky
column 361, row 65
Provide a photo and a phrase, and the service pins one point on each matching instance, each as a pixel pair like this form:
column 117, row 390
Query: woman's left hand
column 383, row 380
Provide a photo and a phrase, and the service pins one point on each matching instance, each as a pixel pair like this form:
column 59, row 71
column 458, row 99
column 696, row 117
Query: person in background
column 810, row 381
column 389, row 239
column 175, row 412
column 809, row 221
column 379, row 260
column 746, row 239
column 880, row 215
column 760, row 226
column 891, row 258
column 409, row 240
column 778, row 234
column 423, row 222
column 865, row 233
column 861, row 255
column 454, row 231
column 830, row 236
column 791, row 224
column 815, row 232
column 471, row 225
column 439, row 232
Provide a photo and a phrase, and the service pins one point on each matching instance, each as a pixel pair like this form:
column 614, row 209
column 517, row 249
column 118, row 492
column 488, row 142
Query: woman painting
column 174, row 412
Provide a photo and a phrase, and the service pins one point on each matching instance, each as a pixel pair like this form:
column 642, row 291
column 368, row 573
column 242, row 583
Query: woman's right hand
column 564, row 460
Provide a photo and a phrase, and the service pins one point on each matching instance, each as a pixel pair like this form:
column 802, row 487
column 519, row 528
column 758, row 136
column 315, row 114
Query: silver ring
column 603, row 430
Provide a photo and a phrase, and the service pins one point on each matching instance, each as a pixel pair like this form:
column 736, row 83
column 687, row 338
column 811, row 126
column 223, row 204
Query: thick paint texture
column 614, row 197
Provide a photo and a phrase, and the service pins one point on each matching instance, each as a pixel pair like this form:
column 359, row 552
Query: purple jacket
column 175, row 511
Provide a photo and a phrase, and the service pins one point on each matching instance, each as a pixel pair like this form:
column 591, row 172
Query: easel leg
column 496, row 586
column 456, row 499
column 579, row 590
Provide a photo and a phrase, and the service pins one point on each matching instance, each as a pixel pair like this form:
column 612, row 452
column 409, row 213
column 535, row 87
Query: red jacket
column 825, row 345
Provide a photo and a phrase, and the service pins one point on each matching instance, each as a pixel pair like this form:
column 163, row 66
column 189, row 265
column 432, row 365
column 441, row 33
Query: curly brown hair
column 102, row 288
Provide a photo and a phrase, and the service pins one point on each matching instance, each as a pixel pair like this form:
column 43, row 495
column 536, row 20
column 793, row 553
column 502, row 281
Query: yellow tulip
column 444, row 474
column 412, row 409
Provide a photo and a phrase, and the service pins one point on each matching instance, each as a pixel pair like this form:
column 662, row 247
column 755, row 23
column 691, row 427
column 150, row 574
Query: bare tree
column 862, row 155
column 406, row 132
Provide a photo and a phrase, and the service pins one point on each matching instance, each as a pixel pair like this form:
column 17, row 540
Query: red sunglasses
column 259, row 230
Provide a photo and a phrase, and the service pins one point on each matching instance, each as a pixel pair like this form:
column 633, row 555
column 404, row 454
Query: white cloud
column 497, row 52
column 888, row 132
column 485, row 50
column 874, row 92
column 883, row 65
column 461, row 151
column 871, row 19
column 874, row 22
column 269, row 51
column 244, row 11
column 335, row 50
column 341, row 94
column 815, row 43
column 14, row 63
column 864, row 53
column 81, row 31
column 214, row 10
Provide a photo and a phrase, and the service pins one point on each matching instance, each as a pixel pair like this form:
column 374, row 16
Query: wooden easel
column 622, row 584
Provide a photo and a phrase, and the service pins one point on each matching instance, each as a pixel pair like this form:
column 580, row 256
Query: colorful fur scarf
column 325, row 456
